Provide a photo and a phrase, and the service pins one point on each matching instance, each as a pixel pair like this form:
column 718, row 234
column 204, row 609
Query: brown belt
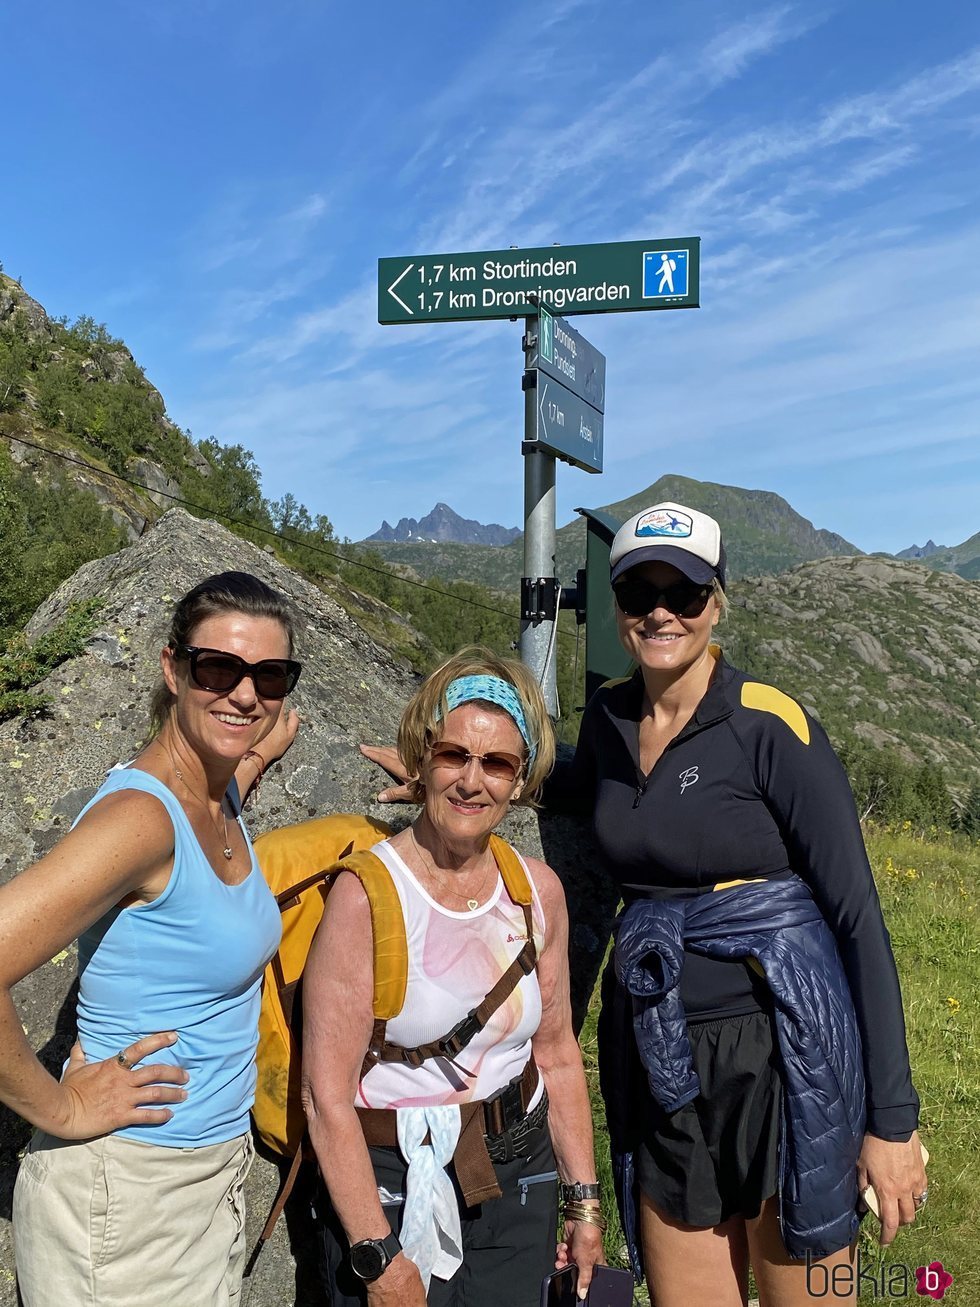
column 474, row 1169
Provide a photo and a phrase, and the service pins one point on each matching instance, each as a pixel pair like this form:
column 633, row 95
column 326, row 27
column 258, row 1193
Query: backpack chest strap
column 451, row 1044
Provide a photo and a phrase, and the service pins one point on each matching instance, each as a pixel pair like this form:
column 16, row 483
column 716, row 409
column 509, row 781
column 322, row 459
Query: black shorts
column 718, row 1157
column 508, row 1243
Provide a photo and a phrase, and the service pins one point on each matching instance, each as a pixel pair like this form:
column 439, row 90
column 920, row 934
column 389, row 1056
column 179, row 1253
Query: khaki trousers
column 113, row 1223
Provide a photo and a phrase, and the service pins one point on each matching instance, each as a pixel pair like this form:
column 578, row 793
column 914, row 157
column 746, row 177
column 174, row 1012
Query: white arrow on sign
column 544, row 392
column 391, row 289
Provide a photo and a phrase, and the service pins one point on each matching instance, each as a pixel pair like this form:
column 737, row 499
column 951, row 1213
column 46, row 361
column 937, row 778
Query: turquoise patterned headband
column 492, row 689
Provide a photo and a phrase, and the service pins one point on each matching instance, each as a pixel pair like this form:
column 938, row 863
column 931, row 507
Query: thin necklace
column 473, row 903
column 223, row 831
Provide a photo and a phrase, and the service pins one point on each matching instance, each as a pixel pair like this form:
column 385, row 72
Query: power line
column 212, row 515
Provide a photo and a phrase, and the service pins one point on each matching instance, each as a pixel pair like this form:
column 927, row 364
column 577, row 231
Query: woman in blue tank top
column 131, row 1189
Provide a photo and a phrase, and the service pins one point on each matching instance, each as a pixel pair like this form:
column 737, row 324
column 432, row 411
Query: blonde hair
column 420, row 723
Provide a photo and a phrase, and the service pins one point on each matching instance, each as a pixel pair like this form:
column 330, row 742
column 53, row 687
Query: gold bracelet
column 599, row 1225
column 586, row 1215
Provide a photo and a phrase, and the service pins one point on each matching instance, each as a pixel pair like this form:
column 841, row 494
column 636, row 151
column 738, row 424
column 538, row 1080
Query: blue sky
column 215, row 181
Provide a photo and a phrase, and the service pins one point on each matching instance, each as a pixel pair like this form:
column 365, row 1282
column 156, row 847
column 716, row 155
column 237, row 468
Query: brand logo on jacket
column 689, row 776
column 876, row 1280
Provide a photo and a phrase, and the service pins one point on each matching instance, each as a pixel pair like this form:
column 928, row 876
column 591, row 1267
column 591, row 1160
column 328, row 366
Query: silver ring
column 123, row 1060
column 919, row 1200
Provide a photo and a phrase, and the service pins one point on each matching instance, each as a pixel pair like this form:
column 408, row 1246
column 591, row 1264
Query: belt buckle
column 504, row 1110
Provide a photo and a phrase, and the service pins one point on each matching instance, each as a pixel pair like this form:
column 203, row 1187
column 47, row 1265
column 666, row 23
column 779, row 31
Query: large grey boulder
column 351, row 690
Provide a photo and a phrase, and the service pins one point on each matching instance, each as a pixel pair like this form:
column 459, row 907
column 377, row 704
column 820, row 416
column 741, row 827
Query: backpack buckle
column 452, row 1045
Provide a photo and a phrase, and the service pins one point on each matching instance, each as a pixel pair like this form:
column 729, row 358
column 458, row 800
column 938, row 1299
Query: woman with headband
column 442, row 1140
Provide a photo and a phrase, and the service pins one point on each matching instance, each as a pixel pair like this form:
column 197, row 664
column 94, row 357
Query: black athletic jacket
column 750, row 787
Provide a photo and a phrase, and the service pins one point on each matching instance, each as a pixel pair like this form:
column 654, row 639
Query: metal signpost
column 564, row 377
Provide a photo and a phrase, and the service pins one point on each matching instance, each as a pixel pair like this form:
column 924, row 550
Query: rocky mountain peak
column 444, row 524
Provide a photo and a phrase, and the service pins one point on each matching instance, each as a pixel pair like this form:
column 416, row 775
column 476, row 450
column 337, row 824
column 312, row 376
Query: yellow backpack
column 299, row 863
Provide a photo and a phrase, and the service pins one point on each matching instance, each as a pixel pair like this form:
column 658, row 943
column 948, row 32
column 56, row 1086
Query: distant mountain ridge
column 962, row 559
column 763, row 535
column 444, row 524
column 917, row 552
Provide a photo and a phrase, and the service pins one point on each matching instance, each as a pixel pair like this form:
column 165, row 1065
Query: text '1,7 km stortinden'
column 617, row 277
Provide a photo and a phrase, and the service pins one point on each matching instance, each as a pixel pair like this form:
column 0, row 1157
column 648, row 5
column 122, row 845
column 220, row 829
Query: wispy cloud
column 243, row 228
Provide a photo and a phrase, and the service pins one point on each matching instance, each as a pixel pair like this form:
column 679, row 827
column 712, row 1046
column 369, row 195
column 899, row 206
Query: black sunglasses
column 637, row 597
column 219, row 672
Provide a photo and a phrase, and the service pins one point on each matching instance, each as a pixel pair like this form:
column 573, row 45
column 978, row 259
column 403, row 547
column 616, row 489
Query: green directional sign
column 564, row 354
column 611, row 278
column 567, row 426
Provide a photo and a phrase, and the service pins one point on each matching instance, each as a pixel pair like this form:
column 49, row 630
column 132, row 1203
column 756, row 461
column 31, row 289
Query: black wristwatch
column 370, row 1258
column 575, row 1193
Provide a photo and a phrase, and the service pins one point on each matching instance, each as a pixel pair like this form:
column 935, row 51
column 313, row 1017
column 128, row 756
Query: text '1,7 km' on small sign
column 621, row 276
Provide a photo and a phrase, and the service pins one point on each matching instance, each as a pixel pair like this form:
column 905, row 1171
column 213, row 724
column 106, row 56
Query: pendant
column 228, row 853
column 472, row 904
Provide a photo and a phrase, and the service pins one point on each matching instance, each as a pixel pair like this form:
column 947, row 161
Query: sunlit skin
column 200, row 727
column 463, row 807
column 665, row 646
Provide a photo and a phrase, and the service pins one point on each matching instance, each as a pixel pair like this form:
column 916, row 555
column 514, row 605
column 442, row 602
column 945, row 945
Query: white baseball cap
column 670, row 533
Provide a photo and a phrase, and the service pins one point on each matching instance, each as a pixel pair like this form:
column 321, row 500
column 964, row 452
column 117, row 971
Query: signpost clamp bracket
column 529, row 380
column 539, row 598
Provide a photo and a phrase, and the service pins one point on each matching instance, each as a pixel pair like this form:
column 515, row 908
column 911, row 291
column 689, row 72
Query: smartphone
column 558, row 1288
column 609, row 1288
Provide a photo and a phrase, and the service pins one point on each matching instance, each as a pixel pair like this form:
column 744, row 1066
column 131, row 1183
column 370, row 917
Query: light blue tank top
column 190, row 961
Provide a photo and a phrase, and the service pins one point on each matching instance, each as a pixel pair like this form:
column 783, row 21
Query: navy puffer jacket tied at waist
column 823, row 1102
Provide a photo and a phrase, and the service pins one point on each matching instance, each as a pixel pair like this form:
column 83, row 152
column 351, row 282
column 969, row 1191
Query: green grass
column 930, row 890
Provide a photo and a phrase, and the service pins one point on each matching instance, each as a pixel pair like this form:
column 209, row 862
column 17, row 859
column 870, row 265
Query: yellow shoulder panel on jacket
column 766, row 698
column 615, row 680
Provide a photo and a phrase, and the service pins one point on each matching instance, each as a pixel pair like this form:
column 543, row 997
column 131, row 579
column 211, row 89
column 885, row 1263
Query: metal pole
column 538, row 591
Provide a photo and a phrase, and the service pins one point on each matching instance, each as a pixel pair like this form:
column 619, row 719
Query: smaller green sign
column 566, row 425
column 564, row 354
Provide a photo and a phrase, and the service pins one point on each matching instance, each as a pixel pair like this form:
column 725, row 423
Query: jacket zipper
column 641, row 789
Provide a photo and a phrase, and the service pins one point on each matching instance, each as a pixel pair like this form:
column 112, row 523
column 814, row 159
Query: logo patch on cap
column 665, row 522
